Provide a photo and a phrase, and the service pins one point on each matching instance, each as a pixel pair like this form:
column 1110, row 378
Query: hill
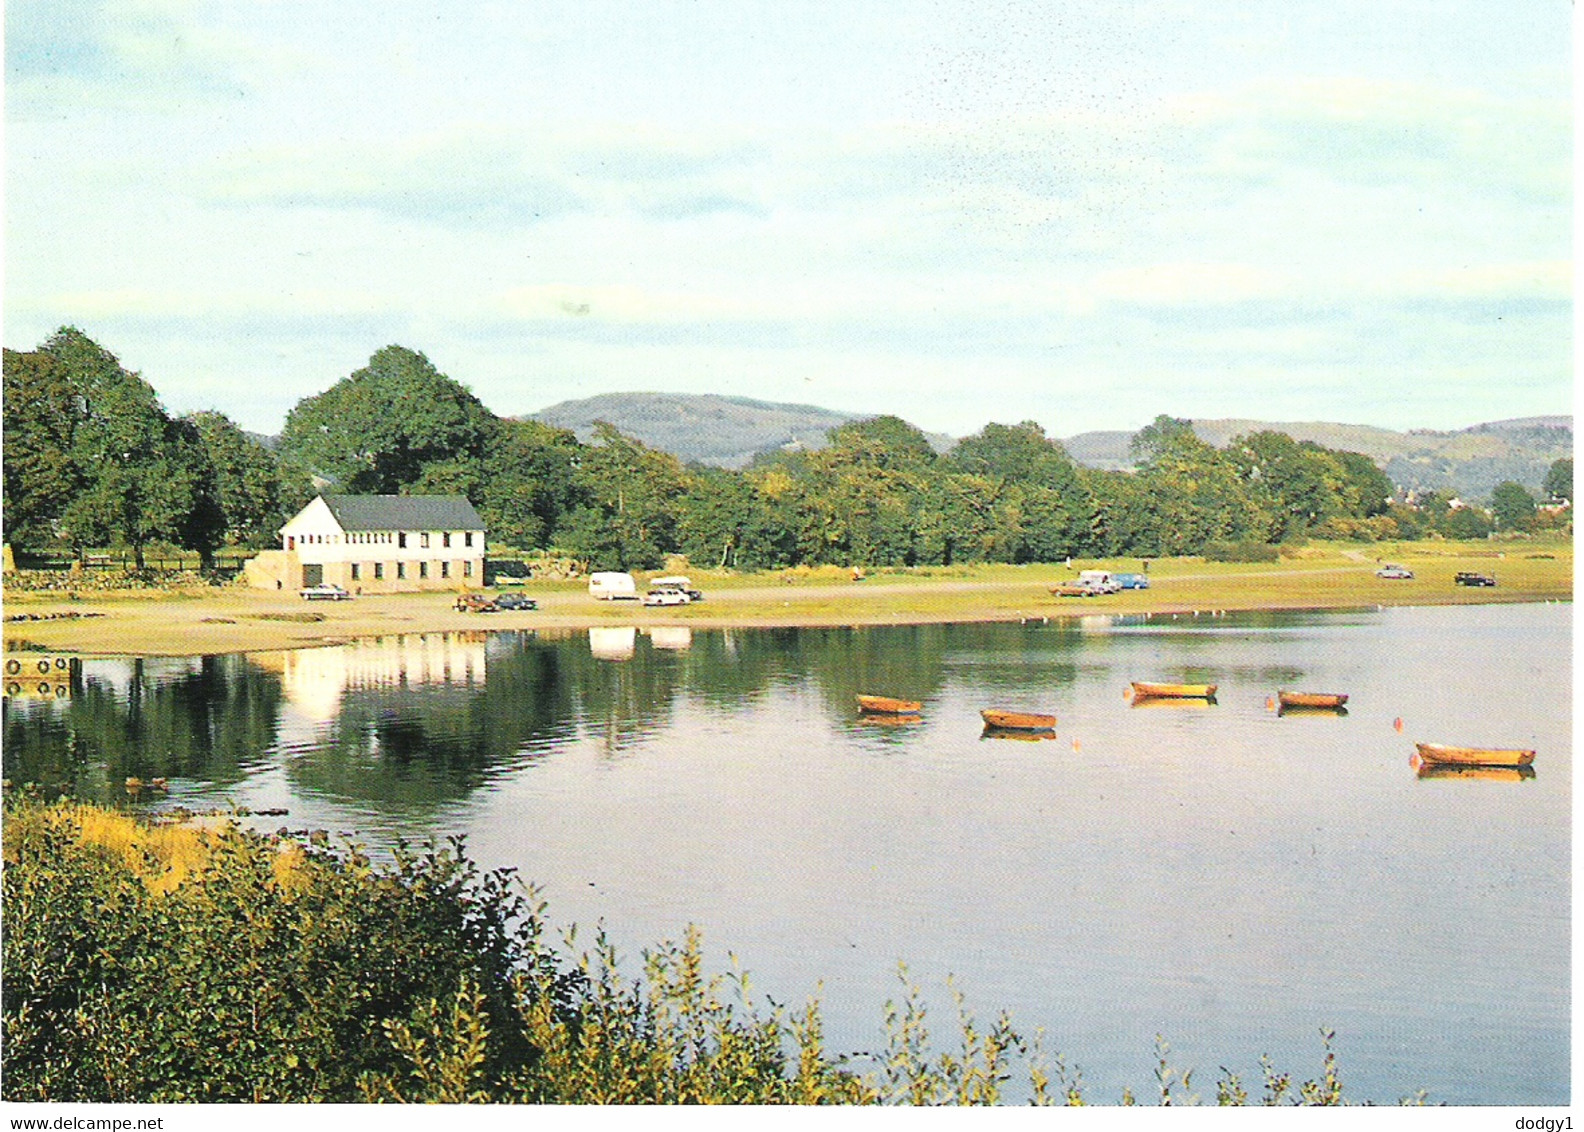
column 1469, row 462
column 729, row 431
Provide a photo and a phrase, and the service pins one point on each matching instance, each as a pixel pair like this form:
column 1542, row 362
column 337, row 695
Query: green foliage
column 165, row 964
column 1512, row 507
column 96, row 459
column 625, row 515
column 92, row 459
column 377, row 430
column 1559, row 480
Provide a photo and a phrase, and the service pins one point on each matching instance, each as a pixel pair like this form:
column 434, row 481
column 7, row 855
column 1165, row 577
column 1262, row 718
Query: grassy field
column 1320, row 576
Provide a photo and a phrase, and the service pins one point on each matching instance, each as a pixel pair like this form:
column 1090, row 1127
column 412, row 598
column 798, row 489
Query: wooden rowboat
column 885, row 705
column 1017, row 720
column 1311, row 699
column 1473, row 756
column 1175, row 691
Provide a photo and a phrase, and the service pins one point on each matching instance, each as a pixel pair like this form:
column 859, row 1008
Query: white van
column 1099, row 581
column 609, row 586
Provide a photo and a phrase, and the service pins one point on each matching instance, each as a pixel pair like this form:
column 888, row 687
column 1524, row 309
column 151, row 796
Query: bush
column 149, row 963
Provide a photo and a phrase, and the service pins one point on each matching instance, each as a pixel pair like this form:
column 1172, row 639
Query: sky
column 1079, row 213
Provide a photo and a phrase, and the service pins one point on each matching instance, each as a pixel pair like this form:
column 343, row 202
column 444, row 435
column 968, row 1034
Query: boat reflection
column 1022, row 734
column 889, row 719
column 1172, row 703
column 1493, row 773
column 1299, row 709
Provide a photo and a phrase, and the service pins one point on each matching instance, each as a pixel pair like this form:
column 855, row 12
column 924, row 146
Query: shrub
column 148, row 963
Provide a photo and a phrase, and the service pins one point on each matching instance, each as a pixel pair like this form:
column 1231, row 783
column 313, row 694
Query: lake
column 1226, row 876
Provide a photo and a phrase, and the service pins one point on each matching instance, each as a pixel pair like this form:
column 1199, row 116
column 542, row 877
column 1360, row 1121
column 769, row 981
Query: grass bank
column 1322, row 576
column 170, row 963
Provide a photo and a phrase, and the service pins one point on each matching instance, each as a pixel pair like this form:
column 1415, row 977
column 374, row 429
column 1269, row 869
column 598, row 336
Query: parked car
column 325, row 592
column 1132, row 581
column 475, row 603
column 1471, row 578
column 677, row 582
column 515, row 601
column 1100, row 581
column 1392, row 570
column 665, row 597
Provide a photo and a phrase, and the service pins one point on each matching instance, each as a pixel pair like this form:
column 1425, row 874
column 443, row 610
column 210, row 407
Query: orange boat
column 885, row 705
column 1311, row 699
column 1175, row 691
column 1440, row 755
column 1017, row 720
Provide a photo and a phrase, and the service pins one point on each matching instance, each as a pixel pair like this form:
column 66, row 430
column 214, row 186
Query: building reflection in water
column 315, row 681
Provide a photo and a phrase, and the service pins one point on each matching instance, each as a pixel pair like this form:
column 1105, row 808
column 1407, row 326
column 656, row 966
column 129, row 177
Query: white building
column 377, row 544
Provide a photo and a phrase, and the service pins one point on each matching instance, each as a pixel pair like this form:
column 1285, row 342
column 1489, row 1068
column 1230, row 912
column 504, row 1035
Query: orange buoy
column 1397, row 724
column 1270, row 703
column 1076, row 744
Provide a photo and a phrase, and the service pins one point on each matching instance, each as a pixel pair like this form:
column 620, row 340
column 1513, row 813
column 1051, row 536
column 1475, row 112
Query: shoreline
column 233, row 619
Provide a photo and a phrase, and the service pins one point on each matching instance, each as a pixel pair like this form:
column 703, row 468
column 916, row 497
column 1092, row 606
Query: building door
column 313, row 573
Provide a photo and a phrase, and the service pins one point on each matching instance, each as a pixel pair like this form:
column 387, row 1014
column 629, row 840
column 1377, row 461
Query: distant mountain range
column 729, row 432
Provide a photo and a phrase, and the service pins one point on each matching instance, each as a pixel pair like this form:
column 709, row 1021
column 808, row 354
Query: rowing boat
column 1311, row 699
column 1017, row 720
column 1175, row 691
column 1474, row 756
column 885, row 705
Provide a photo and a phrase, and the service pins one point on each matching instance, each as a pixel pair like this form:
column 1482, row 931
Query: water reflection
column 1218, row 873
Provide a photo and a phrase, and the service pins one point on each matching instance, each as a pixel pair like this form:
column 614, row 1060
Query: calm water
column 1224, row 876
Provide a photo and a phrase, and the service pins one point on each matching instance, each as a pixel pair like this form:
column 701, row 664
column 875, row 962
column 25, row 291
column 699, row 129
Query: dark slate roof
column 404, row 513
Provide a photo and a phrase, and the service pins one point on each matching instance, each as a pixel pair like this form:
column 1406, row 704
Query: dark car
column 1471, row 578
column 515, row 601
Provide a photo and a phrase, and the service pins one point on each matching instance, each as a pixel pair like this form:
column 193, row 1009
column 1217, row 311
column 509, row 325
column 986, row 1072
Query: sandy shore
column 235, row 620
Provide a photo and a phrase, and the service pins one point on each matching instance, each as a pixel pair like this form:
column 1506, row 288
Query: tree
column 247, row 480
column 1465, row 523
column 135, row 476
column 41, row 416
column 377, row 430
column 1559, row 481
column 1512, row 507
column 529, row 480
column 1037, row 490
column 624, row 514
column 1161, row 433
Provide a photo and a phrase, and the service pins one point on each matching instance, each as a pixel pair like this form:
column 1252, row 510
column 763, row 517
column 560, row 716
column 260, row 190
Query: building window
column 401, row 569
column 423, row 569
column 445, row 568
column 423, row 540
column 445, row 539
column 355, row 574
column 467, row 538
column 379, row 570
column 401, row 539
column 467, row 569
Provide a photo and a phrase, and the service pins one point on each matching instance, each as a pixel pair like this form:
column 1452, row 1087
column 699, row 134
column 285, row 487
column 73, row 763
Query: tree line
column 92, row 459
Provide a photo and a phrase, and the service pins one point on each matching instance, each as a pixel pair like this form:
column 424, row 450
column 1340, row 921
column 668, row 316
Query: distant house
column 377, row 544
